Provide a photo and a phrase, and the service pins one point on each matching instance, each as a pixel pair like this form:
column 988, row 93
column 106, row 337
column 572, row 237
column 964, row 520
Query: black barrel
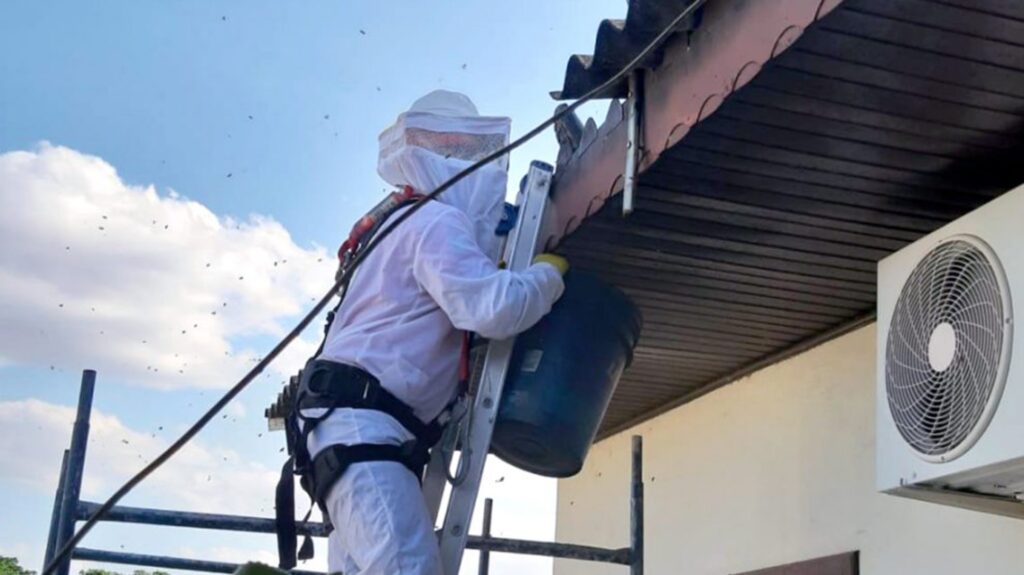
column 562, row 375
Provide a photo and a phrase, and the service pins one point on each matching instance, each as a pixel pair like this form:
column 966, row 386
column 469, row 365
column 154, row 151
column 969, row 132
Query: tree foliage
column 10, row 566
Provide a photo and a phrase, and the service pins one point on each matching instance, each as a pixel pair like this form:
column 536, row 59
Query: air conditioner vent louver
column 947, row 350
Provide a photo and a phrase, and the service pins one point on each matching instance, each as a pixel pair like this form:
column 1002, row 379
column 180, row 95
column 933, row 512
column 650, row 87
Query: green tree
column 9, row 566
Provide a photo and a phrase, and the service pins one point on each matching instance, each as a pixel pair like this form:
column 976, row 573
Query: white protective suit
column 432, row 277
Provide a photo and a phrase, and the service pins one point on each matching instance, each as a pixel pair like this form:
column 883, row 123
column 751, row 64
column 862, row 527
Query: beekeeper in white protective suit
column 401, row 322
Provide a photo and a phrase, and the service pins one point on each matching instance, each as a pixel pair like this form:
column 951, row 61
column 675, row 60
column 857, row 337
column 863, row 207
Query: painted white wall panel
column 775, row 468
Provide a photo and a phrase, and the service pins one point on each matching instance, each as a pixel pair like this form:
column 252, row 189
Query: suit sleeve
column 474, row 293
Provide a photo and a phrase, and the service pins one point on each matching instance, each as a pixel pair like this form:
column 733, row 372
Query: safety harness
column 327, row 386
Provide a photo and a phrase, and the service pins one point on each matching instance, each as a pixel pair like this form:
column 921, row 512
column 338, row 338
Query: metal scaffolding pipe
column 485, row 556
column 217, row 521
column 68, row 509
column 636, row 510
column 161, row 562
column 76, row 465
column 241, row 523
column 51, row 539
column 547, row 549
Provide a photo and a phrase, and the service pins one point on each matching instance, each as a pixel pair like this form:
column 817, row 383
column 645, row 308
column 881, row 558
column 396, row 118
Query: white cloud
column 26, row 553
column 148, row 287
column 235, row 410
column 198, row 478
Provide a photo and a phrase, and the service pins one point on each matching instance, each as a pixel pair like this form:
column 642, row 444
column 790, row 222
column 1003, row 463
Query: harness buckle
column 370, row 392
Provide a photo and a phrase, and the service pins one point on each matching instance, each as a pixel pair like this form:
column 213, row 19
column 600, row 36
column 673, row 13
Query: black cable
column 340, row 283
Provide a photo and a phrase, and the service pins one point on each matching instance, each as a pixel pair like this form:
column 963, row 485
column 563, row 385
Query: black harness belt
column 329, row 385
column 332, row 462
column 326, row 384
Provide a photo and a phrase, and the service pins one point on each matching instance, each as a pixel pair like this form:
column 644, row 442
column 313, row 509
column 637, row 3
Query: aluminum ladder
column 520, row 248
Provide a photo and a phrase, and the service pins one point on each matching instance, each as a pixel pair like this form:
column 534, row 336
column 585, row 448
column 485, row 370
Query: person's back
column 401, row 326
column 391, row 327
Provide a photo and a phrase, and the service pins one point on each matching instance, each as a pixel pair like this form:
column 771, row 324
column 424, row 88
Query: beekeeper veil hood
column 440, row 135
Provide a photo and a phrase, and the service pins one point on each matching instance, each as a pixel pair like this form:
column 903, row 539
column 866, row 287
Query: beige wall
column 776, row 468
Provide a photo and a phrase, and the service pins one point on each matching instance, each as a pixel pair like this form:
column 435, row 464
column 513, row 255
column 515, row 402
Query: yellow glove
column 558, row 261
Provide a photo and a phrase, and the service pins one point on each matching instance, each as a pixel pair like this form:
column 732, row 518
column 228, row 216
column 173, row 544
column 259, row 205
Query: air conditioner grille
column 947, row 352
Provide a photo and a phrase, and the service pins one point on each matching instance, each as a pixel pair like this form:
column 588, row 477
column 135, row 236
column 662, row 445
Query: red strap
column 464, row 374
column 369, row 220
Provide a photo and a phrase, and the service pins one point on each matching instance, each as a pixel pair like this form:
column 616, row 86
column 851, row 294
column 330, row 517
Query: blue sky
column 248, row 130
column 165, row 91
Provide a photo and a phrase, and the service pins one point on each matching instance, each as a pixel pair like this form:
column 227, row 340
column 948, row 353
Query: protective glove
column 560, row 263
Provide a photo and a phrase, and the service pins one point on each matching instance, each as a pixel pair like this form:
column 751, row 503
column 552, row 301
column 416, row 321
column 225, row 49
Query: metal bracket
column 633, row 144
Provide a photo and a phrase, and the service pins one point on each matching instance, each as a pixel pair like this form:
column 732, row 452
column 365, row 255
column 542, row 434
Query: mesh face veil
column 458, row 145
column 438, row 137
column 464, row 139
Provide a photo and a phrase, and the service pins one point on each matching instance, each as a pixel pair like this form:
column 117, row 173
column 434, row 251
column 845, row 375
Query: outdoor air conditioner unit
column 950, row 374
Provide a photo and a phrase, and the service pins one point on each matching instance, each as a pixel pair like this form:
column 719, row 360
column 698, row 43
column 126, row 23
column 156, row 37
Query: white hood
column 415, row 151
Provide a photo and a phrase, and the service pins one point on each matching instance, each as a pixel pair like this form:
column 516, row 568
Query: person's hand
column 560, row 263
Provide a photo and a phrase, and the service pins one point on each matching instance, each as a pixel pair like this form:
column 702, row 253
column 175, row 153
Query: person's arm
column 474, row 294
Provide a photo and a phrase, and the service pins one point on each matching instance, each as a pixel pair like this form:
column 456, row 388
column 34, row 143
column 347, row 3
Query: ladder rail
column 519, row 252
